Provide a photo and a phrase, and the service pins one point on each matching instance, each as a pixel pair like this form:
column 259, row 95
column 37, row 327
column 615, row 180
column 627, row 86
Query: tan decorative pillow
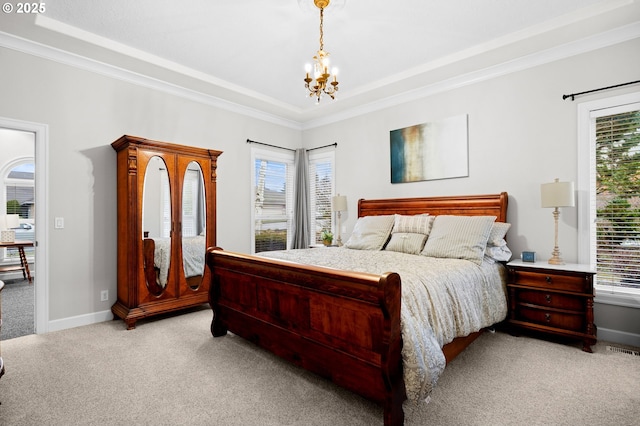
column 370, row 232
column 415, row 224
column 497, row 234
column 459, row 237
column 406, row 242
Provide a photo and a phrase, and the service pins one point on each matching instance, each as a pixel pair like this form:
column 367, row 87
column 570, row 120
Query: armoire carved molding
column 166, row 221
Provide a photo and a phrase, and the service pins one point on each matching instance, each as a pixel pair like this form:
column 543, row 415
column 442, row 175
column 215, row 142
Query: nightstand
column 552, row 299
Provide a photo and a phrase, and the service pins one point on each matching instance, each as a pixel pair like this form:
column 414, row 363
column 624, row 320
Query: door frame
column 41, row 159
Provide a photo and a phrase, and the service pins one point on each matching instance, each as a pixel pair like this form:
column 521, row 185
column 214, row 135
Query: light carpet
column 18, row 298
column 170, row 371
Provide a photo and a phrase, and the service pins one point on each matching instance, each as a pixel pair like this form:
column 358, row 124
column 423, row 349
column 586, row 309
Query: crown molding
column 594, row 42
column 30, row 47
column 598, row 41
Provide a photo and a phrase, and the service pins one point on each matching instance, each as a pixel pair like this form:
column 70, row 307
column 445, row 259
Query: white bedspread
column 441, row 299
column 193, row 252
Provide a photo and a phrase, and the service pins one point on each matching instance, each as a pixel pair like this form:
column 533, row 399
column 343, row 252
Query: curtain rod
column 289, row 149
column 573, row 95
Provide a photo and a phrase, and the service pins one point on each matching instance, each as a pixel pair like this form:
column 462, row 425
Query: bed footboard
column 344, row 326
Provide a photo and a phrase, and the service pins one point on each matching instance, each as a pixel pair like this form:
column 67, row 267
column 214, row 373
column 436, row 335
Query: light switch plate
column 59, row 223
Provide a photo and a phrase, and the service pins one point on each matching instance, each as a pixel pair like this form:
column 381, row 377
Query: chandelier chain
column 321, row 30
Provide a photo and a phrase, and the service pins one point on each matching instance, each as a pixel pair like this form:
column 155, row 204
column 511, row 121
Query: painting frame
column 434, row 150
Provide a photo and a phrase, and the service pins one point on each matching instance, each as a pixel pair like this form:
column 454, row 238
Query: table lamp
column 554, row 195
column 338, row 204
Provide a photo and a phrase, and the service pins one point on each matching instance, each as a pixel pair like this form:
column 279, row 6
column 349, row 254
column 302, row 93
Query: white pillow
column 498, row 253
column 459, row 237
column 497, row 250
column 370, row 232
column 406, row 242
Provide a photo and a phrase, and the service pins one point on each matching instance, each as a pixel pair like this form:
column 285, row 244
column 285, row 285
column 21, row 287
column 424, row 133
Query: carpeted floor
column 170, row 371
column 17, row 309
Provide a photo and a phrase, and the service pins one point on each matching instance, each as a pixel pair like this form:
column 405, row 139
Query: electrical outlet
column 104, row 295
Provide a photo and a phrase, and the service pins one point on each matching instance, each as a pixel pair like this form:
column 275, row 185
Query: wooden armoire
column 166, row 221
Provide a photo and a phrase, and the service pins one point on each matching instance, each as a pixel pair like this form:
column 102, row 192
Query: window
column 193, row 205
column 165, row 201
column 321, row 183
column 609, row 173
column 272, row 183
column 20, row 200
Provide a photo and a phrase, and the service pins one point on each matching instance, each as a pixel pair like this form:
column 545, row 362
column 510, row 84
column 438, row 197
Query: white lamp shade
column 557, row 194
column 9, row 221
column 13, row 221
column 339, row 203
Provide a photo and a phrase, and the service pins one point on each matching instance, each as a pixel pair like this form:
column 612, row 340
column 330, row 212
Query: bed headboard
column 465, row 205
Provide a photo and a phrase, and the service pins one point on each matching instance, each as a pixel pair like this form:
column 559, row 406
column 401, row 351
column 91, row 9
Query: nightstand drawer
column 565, row 321
column 550, row 299
column 556, row 281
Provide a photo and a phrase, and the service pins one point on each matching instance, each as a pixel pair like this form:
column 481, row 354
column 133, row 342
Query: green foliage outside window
column 13, row 207
column 618, row 197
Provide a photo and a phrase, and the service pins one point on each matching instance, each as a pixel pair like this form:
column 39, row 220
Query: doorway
column 22, row 167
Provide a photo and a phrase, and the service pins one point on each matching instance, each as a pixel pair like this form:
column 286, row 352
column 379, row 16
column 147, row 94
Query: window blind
column 273, row 177
column 321, row 182
column 616, row 172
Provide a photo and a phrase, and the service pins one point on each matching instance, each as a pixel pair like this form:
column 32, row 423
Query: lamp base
column 555, row 254
column 555, row 257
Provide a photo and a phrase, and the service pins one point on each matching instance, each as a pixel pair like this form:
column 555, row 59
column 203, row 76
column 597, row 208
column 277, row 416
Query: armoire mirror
column 156, row 225
column 194, row 225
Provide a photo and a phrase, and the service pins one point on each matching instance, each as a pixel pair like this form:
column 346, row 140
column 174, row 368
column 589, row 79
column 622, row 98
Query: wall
column 521, row 134
column 85, row 112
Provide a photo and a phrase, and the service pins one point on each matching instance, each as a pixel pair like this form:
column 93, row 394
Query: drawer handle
column 547, row 317
column 548, row 298
column 548, row 279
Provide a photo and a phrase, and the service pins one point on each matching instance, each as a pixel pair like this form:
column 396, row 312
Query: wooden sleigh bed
column 342, row 325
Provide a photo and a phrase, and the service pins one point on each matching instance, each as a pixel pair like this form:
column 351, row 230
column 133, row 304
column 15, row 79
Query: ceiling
column 253, row 52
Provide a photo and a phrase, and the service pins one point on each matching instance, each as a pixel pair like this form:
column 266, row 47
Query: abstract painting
column 430, row 151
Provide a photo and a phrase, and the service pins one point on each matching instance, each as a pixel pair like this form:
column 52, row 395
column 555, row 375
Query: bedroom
column 521, row 134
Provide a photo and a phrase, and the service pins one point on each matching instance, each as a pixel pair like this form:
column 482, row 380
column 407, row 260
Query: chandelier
column 323, row 81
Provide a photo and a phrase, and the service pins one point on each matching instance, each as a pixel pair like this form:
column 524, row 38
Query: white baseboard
column 609, row 335
column 617, row 336
column 77, row 321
